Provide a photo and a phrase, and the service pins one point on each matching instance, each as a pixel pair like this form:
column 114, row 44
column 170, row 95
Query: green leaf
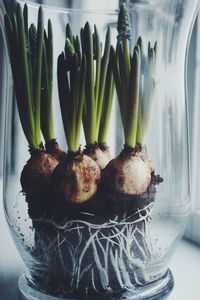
column 33, row 44
column 133, row 100
column 47, row 125
column 118, row 82
column 74, row 94
column 25, row 15
column 126, row 60
column 97, row 57
column 13, row 45
column 64, row 95
column 104, row 66
column 46, row 101
column 91, row 136
column 81, row 98
column 77, row 47
column 124, row 85
column 69, row 52
column 38, row 76
column 49, row 51
column 107, row 106
column 69, row 34
column 27, row 103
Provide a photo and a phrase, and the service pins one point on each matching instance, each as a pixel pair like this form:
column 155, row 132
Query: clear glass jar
column 5, row 87
column 122, row 249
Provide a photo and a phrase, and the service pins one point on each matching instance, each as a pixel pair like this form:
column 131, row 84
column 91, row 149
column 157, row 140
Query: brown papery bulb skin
column 128, row 174
column 36, row 176
column 99, row 153
column 53, row 148
column 76, row 178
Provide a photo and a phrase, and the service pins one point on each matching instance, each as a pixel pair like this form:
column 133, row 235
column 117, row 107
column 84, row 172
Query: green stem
column 69, row 33
column 91, row 134
column 81, row 99
column 104, row 66
column 49, row 48
column 46, row 101
column 124, row 85
column 118, row 79
column 13, row 46
column 126, row 60
column 107, row 106
column 74, row 89
column 71, row 84
column 97, row 47
column 133, row 101
column 25, row 15
column 27, row 101
column 146, row 94
column 64, row 95
column 78, row 49
column 38, row 76
column 47, row 82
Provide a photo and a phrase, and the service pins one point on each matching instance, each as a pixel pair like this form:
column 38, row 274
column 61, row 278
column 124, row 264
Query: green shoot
column 47, row 86
column 133, row 99
column 90, row 103
column 95, row 91
column 23, row 58
column 85, row 86
column 97, row 57
column 107, row 106
column 37, row 78
column 104, row 68
column 133, row 76
column 71, row 86
column 147, row 85
column 26, row 116
column 28, row 60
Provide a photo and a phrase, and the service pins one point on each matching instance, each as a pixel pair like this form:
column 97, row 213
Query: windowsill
column 193, row 232
column 185, row 267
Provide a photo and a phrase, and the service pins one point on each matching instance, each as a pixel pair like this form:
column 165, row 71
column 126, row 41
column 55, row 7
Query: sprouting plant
column 47, row 86
column 26, row 56
column 26, row 52
column 76, row 178
column 133, row 75
column 71, row 84
column 99, row 85
column 134, row 80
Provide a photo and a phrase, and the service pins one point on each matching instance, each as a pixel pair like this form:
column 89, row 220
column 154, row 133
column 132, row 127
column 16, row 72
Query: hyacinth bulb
column 36, row 175
column 76, row 178
column 129, row 174
column 99, row 153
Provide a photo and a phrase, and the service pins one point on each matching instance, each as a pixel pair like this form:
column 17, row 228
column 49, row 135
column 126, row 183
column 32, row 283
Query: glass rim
column 88, row 10
column 69, row 10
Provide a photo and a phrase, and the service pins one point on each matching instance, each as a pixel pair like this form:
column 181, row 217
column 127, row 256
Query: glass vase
column 116, row 245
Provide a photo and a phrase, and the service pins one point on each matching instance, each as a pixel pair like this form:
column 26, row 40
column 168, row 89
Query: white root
column 113, row 254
